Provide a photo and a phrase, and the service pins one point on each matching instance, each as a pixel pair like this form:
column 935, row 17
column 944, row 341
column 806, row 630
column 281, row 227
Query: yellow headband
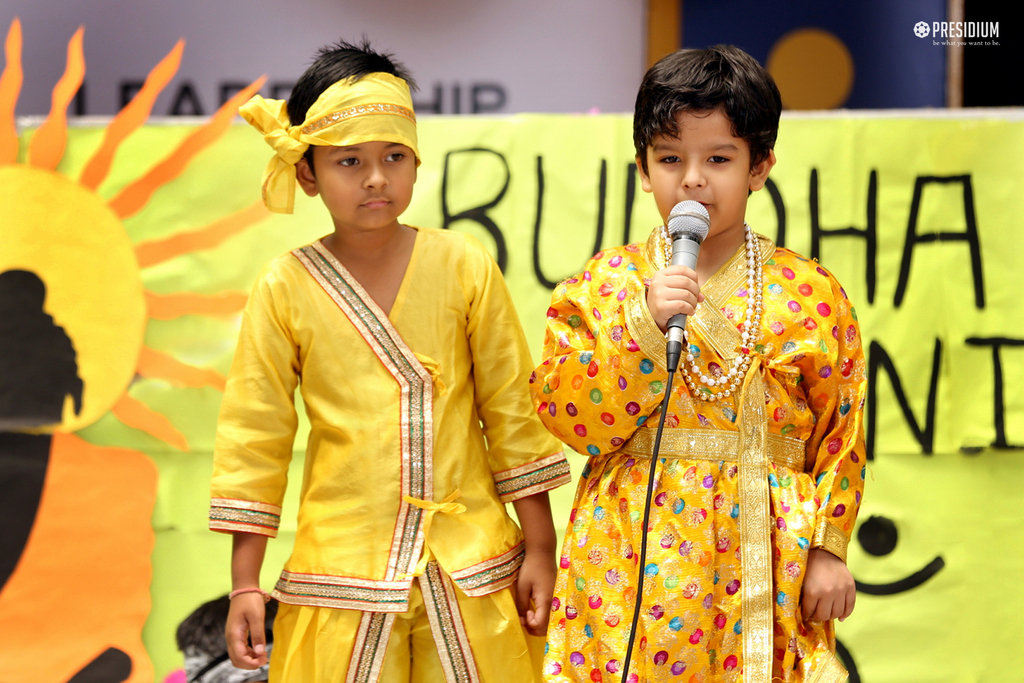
column 378, row 106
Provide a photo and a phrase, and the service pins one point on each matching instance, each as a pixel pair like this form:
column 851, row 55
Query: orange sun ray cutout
column 74, row 241
column 130, row 118
column 123, row 357
column 159, row 365
column 61, row 233
column 10, row 88
column 132, row 198
column 138, row 415
column 171, row 306
column 47, row 146
column 157, row 251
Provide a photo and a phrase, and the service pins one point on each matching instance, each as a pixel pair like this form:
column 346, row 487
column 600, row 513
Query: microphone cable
column 688, row 225
column 646, row 522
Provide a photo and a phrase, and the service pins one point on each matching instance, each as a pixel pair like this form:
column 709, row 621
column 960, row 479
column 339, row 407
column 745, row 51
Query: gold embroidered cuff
column 644, row 330
column 229, row 514
column 829, row 537
column 535, row 477
column 490, row 576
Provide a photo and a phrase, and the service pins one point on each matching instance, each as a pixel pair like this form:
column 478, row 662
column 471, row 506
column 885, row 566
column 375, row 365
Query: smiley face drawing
column 76, row 538
column 878, row 536
column 935, row 558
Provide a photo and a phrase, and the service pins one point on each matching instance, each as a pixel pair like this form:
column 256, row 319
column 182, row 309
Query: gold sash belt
column 712, row 444
column 752, row 448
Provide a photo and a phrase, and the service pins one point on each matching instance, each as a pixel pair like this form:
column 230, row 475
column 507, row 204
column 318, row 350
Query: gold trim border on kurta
column 232, row 514
column 417, row 405
column 447, row 627
column 370, row 648
column 535, row 477
column 416, row 396
column 342, row 592
column 491, row 575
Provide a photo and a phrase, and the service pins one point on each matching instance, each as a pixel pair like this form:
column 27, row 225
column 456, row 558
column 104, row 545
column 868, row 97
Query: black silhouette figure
column 38, row 369
column 111, row 666
column 38, row 366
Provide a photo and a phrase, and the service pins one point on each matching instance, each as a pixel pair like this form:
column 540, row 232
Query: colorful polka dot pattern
column 599, row 384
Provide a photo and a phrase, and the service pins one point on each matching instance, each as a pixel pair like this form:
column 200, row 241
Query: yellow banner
column 917, row 217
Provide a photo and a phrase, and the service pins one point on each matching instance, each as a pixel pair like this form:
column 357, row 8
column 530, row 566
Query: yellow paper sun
column 61, row 229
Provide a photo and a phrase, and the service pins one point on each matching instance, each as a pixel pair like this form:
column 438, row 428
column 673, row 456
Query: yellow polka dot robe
column 745, row 485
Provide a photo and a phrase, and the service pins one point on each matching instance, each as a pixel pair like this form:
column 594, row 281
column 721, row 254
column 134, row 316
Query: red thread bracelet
column 266, row 595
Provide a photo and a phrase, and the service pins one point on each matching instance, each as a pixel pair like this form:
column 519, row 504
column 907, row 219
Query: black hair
column 334, row 63
column 202, row 632
column 723, row 77
column 337, row 62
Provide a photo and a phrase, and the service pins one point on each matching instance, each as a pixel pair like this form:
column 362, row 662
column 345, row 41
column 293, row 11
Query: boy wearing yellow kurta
column 761, row 464
column 413, row 369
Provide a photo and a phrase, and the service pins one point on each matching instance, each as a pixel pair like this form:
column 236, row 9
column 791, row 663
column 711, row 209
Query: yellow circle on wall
column 812, row 68
column 73, row 241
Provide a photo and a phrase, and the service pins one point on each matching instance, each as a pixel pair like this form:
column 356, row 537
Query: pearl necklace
column 748, row 332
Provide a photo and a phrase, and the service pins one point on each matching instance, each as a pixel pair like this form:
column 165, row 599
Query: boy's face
column 365, row 186
column 708, row 164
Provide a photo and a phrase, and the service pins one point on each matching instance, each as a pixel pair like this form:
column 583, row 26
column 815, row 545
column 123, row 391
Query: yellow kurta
column 413, row 416
column 775, row 470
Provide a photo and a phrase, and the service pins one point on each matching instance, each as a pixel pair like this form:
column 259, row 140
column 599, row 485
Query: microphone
column 688, row 225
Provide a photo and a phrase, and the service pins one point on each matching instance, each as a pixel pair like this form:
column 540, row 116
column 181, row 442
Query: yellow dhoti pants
column 444, row 637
